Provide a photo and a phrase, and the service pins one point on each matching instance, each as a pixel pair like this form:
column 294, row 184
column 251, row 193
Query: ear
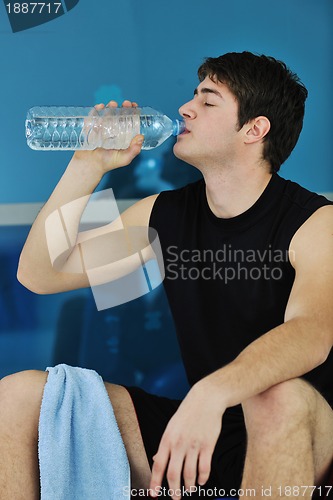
column 256, row 129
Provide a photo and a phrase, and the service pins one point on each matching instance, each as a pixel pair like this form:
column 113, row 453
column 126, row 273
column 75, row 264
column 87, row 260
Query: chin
column 179, row 152
column 186, row 157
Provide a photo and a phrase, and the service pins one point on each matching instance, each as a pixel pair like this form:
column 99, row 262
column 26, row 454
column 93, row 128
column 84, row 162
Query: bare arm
column 288, row 351
column 36, row 270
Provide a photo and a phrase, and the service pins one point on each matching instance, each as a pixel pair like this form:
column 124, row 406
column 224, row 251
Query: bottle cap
column 178, row 127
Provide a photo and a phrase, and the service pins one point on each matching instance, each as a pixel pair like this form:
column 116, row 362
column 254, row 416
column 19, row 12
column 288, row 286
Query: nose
column 187, row 110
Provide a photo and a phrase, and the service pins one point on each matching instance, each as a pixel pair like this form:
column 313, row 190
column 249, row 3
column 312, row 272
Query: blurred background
column 149, row 52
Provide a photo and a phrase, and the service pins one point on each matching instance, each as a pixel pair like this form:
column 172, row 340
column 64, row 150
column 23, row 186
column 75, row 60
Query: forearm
column 288, row 351
column 77, row 183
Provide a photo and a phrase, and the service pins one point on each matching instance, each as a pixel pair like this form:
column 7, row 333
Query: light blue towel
column 81, row 452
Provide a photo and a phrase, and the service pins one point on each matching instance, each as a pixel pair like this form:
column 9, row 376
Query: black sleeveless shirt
column 228, row 281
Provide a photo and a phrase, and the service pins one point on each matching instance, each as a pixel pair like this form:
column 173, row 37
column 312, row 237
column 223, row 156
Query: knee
column 289, row 403
column 21, row 395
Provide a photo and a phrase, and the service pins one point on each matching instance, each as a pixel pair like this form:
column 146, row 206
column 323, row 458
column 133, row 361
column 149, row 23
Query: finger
column 99, row 106
column 174, row 473
column 159, row 466
column 134, row 105
column 190, row 469
column 126, row 104
column 136, row 144
column 127, row 155
column 112, row 104
column 204, row 466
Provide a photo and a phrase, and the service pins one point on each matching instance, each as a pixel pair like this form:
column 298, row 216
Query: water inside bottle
column 55, row 133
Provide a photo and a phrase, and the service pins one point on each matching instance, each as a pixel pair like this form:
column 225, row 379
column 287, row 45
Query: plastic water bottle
column 71, row 128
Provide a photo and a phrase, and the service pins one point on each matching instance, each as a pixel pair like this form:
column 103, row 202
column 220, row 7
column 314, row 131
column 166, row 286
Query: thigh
column 20, row 398
column 292, row 403
column 130, row 431
column 20, row 402
column 323, row 440
column 321, row 422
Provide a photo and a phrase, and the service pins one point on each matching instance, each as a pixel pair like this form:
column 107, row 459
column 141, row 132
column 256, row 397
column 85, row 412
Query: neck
column 232, row 192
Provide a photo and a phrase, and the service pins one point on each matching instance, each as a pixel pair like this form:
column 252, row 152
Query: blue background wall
column 146, row 51
column 149, row 51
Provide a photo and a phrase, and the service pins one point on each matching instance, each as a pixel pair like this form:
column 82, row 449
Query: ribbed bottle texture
column 72, row 128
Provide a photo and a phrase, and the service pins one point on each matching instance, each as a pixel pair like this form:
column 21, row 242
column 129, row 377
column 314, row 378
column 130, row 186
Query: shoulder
column 139, row 214
column 314, row 239
column 303, row 198
column 321, row 221
column 299, row 210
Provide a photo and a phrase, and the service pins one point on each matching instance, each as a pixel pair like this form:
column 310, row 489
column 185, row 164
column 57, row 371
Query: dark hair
column 263, row 86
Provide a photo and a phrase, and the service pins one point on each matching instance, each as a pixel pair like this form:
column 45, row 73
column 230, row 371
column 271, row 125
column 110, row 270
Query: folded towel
column 81, row 452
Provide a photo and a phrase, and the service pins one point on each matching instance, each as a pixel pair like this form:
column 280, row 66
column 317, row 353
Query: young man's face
column 211, row 119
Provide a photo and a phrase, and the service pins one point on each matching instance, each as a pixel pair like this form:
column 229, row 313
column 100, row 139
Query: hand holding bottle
column 110, row 159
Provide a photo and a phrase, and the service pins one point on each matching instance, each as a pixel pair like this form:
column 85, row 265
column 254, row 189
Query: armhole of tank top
column 160, row 199
column 151, row 215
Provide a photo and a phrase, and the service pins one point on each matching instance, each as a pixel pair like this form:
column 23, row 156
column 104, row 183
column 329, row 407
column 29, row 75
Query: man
column 249, row 278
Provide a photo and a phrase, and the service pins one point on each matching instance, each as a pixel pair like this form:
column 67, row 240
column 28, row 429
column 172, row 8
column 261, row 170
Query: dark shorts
column 154, row 413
